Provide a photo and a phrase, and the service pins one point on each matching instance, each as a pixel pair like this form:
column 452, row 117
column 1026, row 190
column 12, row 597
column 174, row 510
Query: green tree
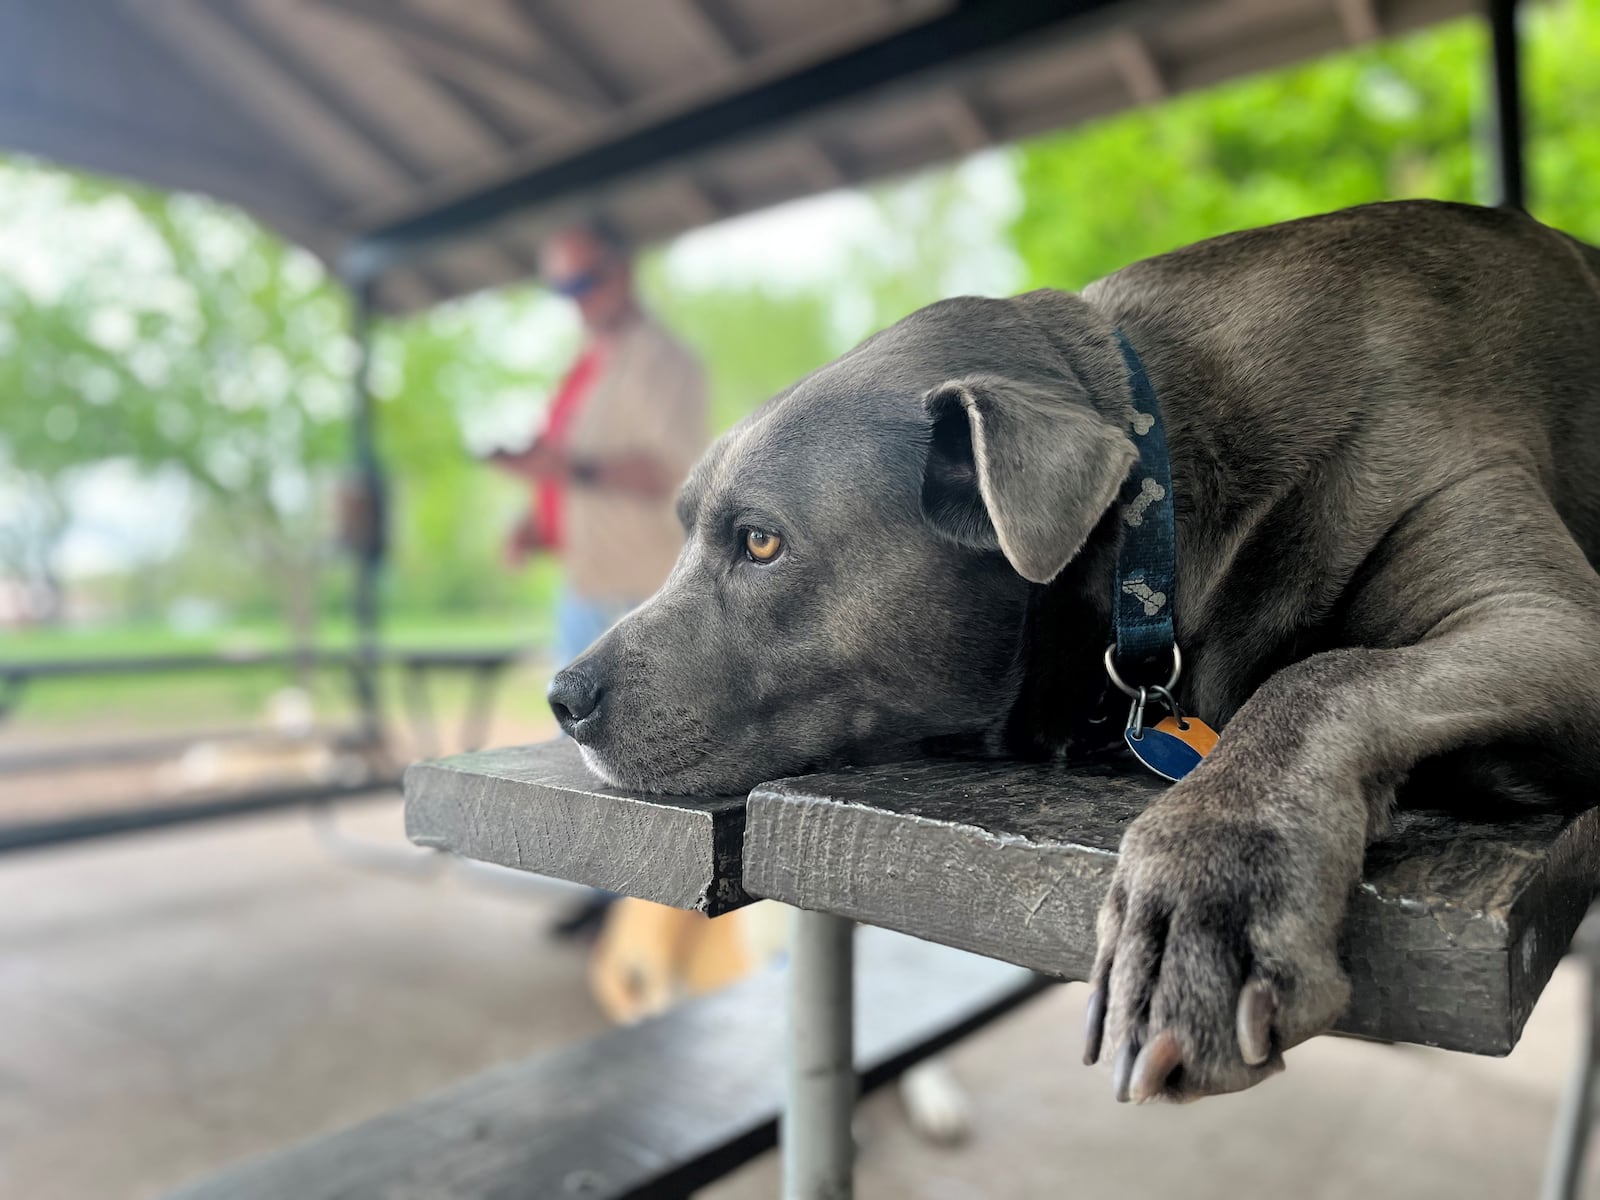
column 450, row 514
column 184, row 338
column 930, row 237
column 1403, row 118
column 754, row 341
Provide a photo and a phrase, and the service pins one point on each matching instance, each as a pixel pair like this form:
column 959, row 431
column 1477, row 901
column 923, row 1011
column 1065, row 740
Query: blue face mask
column 579, row 286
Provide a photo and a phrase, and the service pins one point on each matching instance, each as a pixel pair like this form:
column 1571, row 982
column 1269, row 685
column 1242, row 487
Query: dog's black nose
column 574, row 695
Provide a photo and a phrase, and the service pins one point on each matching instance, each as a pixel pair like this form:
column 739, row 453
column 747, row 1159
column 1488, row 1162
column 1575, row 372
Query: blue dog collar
column 1146, row 647
column 1147, row 571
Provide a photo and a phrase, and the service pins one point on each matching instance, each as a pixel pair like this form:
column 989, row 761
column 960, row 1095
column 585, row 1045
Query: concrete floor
column 172, row 1001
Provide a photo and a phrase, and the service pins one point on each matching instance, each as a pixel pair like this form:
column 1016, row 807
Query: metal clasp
column 1143, row 695
column 1126, row 689
column 1136, row 716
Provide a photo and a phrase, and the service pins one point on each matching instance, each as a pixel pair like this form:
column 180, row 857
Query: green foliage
column 1405, row 118
column 1563, row 79
column 192, row 343
column 450, row 512
column 755, row 341
column 924, row 239
column 183, row 341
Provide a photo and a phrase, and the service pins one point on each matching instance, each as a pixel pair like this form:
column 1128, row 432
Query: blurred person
column 625, row 425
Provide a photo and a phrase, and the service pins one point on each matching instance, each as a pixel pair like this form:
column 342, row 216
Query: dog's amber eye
column 761, row 546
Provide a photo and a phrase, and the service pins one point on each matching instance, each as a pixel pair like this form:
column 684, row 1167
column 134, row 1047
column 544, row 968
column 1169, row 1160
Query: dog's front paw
column 1217, row 949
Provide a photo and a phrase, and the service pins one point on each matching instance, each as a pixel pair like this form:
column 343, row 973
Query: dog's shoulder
column 1390, row 237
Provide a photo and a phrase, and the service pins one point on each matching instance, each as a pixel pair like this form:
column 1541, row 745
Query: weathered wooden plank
column 538, row 809
column 1450, row 939
column 655, row 1110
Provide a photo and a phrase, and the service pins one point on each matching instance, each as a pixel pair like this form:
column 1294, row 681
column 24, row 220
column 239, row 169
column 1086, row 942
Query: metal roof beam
column 238, row 66
column 297, row 54
column 950, row 42
column 1141, row 73
column 706, row 199
column 274, row 38
column 824, row 167
column 601, row 84
column 1510, row 174
column 244, row 64
column 293, row 205
column 468, row 59
column 1360, row 21
column 968, row 127
column 713, row 30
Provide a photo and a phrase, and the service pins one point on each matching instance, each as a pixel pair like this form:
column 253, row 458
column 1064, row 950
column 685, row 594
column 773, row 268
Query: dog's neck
column 1063, row 705
column 1060, row 709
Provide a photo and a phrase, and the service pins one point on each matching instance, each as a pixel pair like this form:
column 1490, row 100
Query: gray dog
column 1385, row 440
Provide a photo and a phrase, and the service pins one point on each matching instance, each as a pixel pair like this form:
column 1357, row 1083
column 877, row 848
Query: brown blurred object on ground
column 650, row 957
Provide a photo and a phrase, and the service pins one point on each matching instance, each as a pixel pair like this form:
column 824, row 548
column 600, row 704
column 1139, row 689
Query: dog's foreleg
column 1218, row 938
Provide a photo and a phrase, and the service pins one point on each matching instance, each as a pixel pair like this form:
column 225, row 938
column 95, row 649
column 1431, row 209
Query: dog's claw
column 1155, row 1064
column 1257, row 1006
column 1094, row 1026
column 1122, row 1069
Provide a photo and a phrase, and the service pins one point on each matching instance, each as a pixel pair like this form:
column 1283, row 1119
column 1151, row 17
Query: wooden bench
column 655, row 1110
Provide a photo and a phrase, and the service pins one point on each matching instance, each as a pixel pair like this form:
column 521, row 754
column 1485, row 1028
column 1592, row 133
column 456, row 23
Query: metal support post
column 818, row 1145
column 365, row 522
column 1508, row 127
column 1574, row 1124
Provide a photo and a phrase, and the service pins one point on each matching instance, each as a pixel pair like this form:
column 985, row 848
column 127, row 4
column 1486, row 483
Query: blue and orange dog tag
column 1173, row 746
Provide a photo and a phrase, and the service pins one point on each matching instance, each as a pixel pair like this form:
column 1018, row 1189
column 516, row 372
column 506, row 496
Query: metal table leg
column 1575, row 1118
column 818, row 1146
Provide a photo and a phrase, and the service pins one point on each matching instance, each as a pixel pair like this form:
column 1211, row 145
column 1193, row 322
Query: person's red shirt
column 550, row 494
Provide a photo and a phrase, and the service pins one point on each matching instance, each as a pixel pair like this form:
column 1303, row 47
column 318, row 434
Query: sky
column 811, row 241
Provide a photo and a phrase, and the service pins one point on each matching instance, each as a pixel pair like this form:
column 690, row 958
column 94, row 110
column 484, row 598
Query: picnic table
column 483, row 667
column 1451, row 935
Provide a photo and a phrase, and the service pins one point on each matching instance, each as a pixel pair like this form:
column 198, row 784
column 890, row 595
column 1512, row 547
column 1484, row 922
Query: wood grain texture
column 537, row 808
column 655, row 1110
column 1451, row 935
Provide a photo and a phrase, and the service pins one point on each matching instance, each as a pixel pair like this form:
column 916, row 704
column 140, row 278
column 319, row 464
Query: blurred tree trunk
column 30, row 544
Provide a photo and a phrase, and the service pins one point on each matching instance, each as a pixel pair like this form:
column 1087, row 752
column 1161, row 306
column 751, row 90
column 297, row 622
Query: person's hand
column 524, row 541
column 542, row 460
column 538, row 461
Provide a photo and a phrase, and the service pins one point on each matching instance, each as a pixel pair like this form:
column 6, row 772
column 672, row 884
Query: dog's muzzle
column 575, row 697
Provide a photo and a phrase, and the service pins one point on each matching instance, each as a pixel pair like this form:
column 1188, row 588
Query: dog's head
column 860, row 555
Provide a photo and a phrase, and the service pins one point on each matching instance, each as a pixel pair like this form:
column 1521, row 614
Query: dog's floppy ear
column 1016, row 468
